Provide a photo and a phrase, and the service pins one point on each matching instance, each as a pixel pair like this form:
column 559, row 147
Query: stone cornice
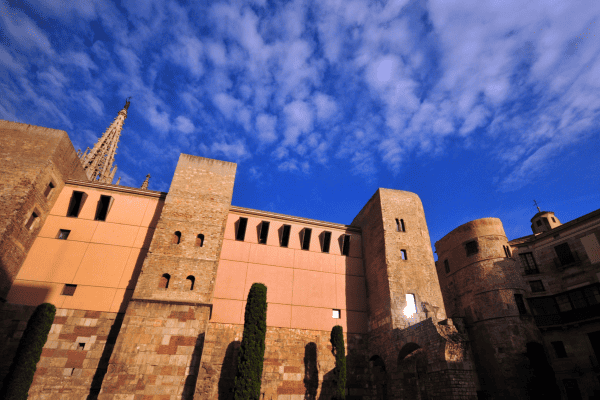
column 117, row 188
column 299, row 220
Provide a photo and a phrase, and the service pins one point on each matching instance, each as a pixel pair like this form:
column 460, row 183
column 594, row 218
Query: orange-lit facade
column 150, row 289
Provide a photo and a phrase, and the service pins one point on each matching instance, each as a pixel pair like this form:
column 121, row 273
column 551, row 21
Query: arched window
column 190, row 282
column 163, row 283
column 176, row 237
column 406, row 350
column 200, row 240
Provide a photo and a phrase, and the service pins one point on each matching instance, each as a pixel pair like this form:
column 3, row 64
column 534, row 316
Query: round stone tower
column 481, row 283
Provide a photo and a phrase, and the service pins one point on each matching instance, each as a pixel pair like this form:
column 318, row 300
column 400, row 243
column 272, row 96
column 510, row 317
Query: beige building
column 151, row 287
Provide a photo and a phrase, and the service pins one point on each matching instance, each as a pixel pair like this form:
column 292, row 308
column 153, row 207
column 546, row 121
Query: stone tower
column 98, row 161
column 414, row 352
column 482, row 284
column 36, row 162
column 160, row 343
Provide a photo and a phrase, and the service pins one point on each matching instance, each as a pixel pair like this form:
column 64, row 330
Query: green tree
column 252, row 350
column 20, row 374
column 339, row 351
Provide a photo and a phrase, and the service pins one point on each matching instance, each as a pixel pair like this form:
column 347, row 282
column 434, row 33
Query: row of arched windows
column 165, row 280
column 176, row 239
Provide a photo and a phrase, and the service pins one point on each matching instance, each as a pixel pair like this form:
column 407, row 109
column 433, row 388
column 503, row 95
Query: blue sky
column 478, row 107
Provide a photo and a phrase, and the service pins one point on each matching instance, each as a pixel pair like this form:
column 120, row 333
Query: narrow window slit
column 264, row 232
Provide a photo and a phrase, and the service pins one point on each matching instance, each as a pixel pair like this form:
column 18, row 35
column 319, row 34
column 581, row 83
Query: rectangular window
column 240, row 233
column 48, row 189
column 69, row 290
column 528, row 263
column 564, row 304
column 63, row 234
column 403, row 254
column 264, row 232
column 577, row 299
column 520, row 304
column 337, row 314
column 285, row 235
column 543, row 306
column 559, row 349
column 564, row 254
column 31, row 221
column 507, row 251
column 77, row 200
column 592, row 295
column 472, row 248
column 104, row 205
column 346, row 245
column 447, row 266
column 326, row 242
column 536, row 286
column 306, row 232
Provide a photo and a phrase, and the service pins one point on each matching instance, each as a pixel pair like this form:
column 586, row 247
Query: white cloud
column 326, row 106
column 188, row 52
column 265, row 124
column 233, row 151
column 24, row 31
column 9, row 62
column 299, row 119
column 184, row 125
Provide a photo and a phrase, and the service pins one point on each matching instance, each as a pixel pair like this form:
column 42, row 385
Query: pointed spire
column 118, row 181
column 145, row 184
column 98, row 162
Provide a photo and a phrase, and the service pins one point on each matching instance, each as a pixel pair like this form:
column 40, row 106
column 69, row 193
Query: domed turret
column 544, row 221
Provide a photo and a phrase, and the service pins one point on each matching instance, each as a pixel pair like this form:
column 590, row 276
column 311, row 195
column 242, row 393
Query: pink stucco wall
column 303, row 286
column 101, row 257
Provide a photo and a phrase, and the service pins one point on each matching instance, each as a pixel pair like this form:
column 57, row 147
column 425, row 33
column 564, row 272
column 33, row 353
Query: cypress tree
column 252, row 350
column 20, row 374
column 339, row 351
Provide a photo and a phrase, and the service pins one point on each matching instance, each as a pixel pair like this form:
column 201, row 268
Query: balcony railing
column 579, row 314
column 574, row 261
column 532, row 271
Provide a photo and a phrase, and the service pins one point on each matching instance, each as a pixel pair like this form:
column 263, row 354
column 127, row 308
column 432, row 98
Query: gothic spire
column 98, row 162
column 145, row 184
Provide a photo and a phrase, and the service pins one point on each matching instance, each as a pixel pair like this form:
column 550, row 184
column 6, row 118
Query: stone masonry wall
column 481, row 288
column 157, row 353
column 175, row 288
column 298, row 364
column 31, row 157
column 75, row 356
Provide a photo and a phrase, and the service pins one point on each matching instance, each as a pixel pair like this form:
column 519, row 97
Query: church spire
column 98, row 162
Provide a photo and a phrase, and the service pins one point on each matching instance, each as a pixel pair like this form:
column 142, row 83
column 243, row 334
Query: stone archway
column 379, row 375
column 412, row 369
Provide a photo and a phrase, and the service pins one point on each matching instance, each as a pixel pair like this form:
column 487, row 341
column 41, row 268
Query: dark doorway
column 595, row 341
column 572, row 389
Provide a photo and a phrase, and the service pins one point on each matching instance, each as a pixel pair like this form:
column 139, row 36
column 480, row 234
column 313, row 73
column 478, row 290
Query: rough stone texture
column 480, row 288
column 389, row 278
column 66, row 369
column 298, row 364
column 159, row 348
column 31, row 156
column 582, row 361
column 157, row 352
column 13, row 320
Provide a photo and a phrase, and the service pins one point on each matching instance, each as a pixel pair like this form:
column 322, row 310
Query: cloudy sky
column 479, row 107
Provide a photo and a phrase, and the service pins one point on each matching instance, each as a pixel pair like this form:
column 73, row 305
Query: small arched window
column 190, row 282
column 163, row 283
column 200, row 240
column 176, row 237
